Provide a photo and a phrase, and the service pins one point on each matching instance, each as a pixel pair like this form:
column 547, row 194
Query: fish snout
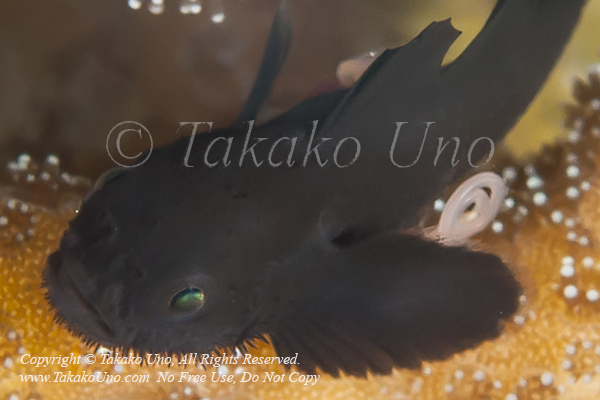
column 74, row 306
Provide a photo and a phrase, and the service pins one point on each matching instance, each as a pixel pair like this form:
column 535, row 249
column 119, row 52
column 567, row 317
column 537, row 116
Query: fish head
column 148, row 270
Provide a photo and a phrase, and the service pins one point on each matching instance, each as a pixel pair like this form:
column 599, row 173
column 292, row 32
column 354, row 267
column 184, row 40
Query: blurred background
column 70, row 70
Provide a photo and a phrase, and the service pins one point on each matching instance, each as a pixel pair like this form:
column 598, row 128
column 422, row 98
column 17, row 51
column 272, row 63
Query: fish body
column 177, row 256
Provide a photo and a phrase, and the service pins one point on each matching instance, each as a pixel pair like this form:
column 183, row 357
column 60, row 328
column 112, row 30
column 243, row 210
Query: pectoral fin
column 394, row 301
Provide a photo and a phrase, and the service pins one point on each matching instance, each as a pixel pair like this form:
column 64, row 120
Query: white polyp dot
column 23, row 160
column 595, row 104
column 45, row 176
column 519, row 319
column 529, row 170
column 218, row 18
column 592, row 295
column 596, row 132
column 573, row 171
column 223, row 370
column 566, row 365
column 567, row 271
column 571, row 158
column 497, row 385
column 14, row 396
column 588, row 262
column 134, row 4
column 439, row 205
column 574, row 136
column 583, row 241
column 572, row 193
column 427, row 371
column 585, row 186
column 586, row 345
column 53, row 160
column 497, row 227
column 557, row 216
column 459, row 374
column 190, row 8
column 3, row 221
column 509, row 174
column 534, row 182
column 119, row 368
column 156, row 8
column 540, row 199
column 511, row 396
column 416, row 386
column 187, row 391
column 448, row 388
column 11, row 335
column 238, row 371
column 8, row 362
column 570, row 222
column 571, row 236
column 578, row 124
column 547, row 379
column 479, row 375
column 571, row 291
column 522, row 299
column 586, row 378
column 12, row 166
column 522, row 210
column 174, row 396
column 509, row 203
column 11, row 204
column 568, row 260
column 570, row 349
column 522, row 382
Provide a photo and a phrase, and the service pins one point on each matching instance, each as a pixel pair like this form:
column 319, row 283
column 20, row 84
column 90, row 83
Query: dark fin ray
column 321, row 346
column 377, row 359
column 395, row 299
column 308, row 360
column 276, row 52
column 336, row 352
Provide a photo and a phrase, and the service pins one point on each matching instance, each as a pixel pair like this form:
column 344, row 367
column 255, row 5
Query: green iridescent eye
column 188, row 300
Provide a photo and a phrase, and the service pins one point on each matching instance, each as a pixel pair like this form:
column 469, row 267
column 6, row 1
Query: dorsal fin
column 276, row 52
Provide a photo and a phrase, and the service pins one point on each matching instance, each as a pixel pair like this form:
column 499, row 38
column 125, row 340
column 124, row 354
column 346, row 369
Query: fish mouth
column 72, row 306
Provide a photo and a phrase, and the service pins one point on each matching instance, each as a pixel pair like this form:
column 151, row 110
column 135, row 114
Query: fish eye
column 188, row 300
column 106, row 177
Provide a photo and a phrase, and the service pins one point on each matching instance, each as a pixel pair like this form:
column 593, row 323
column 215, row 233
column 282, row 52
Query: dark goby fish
column 174, row 256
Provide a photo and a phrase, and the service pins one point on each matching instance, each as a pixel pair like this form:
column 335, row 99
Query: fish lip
column 75, row 301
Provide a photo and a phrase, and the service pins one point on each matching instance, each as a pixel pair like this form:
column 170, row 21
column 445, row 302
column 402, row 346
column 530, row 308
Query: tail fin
column 502, row 70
